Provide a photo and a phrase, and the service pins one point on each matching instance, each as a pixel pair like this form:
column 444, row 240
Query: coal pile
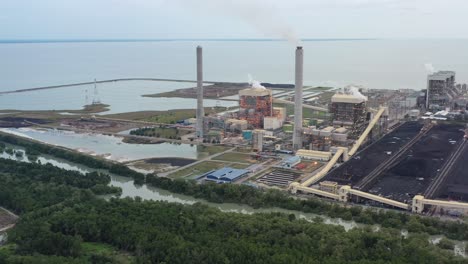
column 362, row 163
column 456, row 186
column 420, row 165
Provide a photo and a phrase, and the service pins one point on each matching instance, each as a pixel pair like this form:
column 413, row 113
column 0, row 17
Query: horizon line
column 13, row 41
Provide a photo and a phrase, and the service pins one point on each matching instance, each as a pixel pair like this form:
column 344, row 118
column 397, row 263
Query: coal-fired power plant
column 297, row 135
column 200, row 109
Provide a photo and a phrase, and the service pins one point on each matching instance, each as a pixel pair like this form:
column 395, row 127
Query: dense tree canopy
column 64, row 221
column 60, row 216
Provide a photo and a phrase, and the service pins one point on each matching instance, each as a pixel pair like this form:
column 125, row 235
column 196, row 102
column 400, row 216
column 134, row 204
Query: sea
column 371, row 63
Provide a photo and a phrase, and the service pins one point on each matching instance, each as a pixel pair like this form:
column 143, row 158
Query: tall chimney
column 297, row 136
column 200, row 109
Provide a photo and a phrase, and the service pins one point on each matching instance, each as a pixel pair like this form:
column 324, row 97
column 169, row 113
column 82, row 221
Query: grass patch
column 100, row 248
column 108, row 251
column 160, row 132
column 166, row 117
column 238, row 166
column 235, row 157
column 197, row 169
column 171, row 117
column 211, row 150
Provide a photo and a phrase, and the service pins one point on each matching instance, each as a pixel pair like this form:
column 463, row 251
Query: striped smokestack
column 297, row 136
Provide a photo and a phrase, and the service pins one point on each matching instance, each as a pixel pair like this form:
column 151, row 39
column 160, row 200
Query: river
column 129, row 189
column 111, row 147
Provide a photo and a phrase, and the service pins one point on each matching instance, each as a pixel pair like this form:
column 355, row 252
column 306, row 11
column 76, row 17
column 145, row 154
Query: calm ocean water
column 385, row 64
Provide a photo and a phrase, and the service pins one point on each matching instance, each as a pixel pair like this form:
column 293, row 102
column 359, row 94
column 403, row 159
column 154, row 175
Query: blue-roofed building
column 225, row 175
column 290, row 162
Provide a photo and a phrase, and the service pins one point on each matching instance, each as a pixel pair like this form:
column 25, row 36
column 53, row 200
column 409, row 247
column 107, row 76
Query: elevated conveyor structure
column 378, row 198
column 317, row 177
column 344, row 151
column 419, row 202
column 295, row 186
column 345, row 192
column 366, row 132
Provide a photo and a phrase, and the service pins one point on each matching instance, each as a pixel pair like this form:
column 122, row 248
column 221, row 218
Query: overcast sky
column 71, row 19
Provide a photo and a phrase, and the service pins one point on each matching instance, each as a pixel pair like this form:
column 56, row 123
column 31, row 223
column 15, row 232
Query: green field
column 197, row 169
column 160, row 132
column 235, row 157
column 210, row 150
column 204, row 167
column 166, row 117
column 101, row 249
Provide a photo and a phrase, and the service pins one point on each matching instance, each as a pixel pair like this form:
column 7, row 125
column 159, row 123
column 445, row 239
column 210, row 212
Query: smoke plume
column 429, row 68
column 354, row 90
column 255, row 84
column 260, row 14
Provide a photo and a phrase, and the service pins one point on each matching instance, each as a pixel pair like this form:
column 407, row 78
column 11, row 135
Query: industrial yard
column 456, row 185
column 420, row 164
column 365, row 161
column 349, row 144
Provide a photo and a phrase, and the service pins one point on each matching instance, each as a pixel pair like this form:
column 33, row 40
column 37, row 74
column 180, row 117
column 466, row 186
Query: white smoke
column 255, row 84
column 429, row 68
column 354, row 90
column 261, row 14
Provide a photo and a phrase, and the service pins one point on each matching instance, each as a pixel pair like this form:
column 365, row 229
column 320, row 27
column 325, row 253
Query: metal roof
column 226, row 174
column 292, row 160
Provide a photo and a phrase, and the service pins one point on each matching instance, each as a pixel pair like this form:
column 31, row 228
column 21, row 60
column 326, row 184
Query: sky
column 289, row 19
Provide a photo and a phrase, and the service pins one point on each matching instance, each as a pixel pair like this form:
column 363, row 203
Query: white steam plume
column 429, row 68
column 261, row 14
column 255, row 84
column 354, row 90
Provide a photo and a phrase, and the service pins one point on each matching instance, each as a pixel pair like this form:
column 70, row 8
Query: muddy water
column 129, row 189
column 109, row 146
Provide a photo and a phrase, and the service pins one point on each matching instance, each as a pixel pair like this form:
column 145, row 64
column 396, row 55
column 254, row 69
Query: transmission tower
column 96, row 94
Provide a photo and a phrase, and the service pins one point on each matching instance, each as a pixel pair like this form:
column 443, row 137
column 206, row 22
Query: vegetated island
column 213, row 91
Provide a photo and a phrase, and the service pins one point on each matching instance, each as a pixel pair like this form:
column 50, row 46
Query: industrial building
column 255, row 104
column 314, row 155
column 323, row 139
column 440, row 90
column 348, row 109
column 290, row 162
column 225, row 175
column 257, row 140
